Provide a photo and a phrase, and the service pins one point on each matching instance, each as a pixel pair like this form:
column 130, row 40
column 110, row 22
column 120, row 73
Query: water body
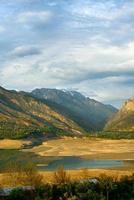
column 78, row 163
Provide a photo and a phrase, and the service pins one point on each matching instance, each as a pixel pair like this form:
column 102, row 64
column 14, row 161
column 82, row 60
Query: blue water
column 78, row 163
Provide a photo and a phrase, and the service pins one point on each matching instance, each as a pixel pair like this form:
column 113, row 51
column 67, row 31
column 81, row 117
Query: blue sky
column 82, row 45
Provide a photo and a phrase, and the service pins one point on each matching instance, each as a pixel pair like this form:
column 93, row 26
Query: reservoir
column 74, row 163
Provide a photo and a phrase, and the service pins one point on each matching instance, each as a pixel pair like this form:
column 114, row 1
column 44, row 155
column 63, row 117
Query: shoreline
column 76, row 175
column 90, row 173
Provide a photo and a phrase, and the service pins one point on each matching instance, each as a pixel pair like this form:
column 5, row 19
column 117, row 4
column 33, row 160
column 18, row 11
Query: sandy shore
column 13, row 144
column 87, row 147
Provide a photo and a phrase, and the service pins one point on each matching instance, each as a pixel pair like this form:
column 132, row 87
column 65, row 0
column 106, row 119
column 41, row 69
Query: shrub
column 27, row 175
column 61, row 176
column 18, row 194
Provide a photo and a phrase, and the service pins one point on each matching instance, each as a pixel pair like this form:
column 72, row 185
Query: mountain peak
column 129, row 105
column 123, row 120
column 88, row 113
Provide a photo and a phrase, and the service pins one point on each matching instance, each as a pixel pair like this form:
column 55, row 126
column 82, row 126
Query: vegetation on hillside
column 22, row 115
column 13, row 131
column 112, row 135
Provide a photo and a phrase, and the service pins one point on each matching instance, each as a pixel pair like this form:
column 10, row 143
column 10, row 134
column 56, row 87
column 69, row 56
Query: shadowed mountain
column 21, row 115
column 87, row 113
column 123, row 120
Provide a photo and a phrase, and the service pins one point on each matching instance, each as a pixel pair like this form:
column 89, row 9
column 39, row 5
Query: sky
column 83, row 45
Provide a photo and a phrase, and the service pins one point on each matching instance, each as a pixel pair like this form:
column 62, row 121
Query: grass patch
column 8, row 156
column 112, row 135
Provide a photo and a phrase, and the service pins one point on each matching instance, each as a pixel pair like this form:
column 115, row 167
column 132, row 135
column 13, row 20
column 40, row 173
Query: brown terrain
column 85, row 147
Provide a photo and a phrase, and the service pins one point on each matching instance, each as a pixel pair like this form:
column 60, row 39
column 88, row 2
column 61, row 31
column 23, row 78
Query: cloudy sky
column 82, row 45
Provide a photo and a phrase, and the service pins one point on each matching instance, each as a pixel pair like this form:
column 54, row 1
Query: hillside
column 123, row 120
column 87, row 113
column 21, row 115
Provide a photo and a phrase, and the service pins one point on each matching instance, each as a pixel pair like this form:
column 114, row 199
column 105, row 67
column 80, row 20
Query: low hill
column 123, row 120
column 21, row 115
column 87, row 113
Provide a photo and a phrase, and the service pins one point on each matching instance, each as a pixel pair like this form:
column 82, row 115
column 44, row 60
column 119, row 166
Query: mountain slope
column 88, row 113
column 123, row 120
column 21, row 114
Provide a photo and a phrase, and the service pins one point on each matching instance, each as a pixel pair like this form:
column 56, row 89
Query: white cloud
column 81, row 44
column 100, row 10
column 15, row 71
column 107, row 90
column 33, row 18
column 65, row 65
column 105, row 10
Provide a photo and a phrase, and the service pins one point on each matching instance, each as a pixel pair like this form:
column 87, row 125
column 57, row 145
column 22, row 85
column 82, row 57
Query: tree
column 61, row 176
column 106, row 184
column 31, row 176
column 18, row 194
column 14, row 174
column 27, row 175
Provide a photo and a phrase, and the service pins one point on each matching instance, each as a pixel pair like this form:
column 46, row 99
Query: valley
column 51, row 127
column 66, row 100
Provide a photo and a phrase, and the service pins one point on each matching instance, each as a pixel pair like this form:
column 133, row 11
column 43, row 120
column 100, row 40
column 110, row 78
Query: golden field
column 75, row 175
column 13, row 144
column 82, row 147
column 86, row 147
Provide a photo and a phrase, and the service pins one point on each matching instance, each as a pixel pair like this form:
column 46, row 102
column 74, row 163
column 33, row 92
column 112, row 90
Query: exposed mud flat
column 88, row 148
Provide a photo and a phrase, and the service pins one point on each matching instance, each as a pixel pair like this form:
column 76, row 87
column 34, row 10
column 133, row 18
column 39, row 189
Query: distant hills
column 50, row 111
column 56, row 112
column 21, row 115
column 123, row 120
column 89, row 114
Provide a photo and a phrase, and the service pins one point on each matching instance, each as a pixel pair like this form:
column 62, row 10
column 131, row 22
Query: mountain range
column 21, row 114
column 89, row 114
column 123, row 120
column 51, row 111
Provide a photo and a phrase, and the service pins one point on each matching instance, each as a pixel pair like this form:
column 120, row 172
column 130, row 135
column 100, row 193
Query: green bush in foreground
column 105, row 188
column 102, row 188
column 18, row 194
